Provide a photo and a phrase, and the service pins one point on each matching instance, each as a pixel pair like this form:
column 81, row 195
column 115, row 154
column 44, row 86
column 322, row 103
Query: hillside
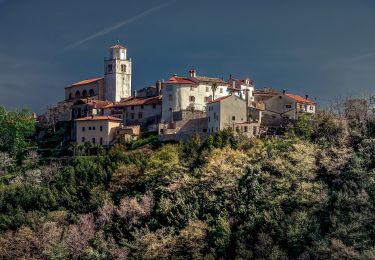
column 307, row 195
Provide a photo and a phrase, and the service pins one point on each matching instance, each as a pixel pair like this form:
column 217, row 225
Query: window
column 221, row 90
column 93, row 140
column 93, row 128
column 141, row 106
column 84, row 93
column 209, row 119
column 91, row 92
column 153, row 106
column 246, row 129
column 78, row 94
column 214, row 115
column 207, row 99
column 83, row 129
column 70, row 95
column 207, row 89
column 288, row 106
column 89, row 127
column 101, row 128
column 170, row 97
column 132, row 107
column 233, row 118
column 140, row 115
column 255, row 130
column 192, row 99
column 83, row 139
column 191, row 88
column 123, row 67
column 110, row 68
column 132, row 115
column 101, row 141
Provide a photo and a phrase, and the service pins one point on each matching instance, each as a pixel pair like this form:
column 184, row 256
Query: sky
column 323, row 48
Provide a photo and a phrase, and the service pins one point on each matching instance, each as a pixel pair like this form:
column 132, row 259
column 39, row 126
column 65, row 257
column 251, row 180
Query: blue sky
column 324, row 48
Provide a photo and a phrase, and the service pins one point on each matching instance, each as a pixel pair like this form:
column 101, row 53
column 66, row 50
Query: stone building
column 282, row 107
column 145, row 112
column 100, row 130
column 231, row 112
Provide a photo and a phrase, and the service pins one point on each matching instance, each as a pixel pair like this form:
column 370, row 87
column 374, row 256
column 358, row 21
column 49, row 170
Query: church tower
column 117, row 74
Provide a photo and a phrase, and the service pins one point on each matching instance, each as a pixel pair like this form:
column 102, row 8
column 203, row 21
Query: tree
column 16, row 127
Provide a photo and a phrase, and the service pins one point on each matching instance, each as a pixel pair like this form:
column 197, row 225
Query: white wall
column 181, row 94
column 117, row 82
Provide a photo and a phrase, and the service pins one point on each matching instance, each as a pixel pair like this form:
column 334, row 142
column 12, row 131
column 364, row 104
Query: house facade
column 145, row 112
column 285, row 107
column 99, row 130
column 231, row 112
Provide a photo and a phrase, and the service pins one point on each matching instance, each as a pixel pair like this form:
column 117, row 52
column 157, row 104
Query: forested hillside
column 307, row 195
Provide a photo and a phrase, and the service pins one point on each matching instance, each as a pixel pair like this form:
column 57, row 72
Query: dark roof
column 138, row 101
column 96, row 118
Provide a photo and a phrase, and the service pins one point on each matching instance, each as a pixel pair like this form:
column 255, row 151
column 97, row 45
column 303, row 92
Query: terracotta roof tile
column 180, row 80
column 299, row 98
column 218, row 100
column 84, row 82
column 96, row 118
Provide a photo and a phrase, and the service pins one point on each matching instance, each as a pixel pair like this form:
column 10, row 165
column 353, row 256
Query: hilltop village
column 101, row 110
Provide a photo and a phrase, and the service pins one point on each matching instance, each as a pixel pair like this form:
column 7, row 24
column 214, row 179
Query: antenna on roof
column 118, row 41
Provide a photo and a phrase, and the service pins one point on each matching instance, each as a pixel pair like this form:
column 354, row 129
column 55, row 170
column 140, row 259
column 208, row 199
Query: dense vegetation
column 307, row 195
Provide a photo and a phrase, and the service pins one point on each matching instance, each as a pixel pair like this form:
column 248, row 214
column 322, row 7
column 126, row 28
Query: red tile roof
column 84, row 82
column 179, row 80
column 138, row 101
column 117, row 46
column 218, row 100
column 299, row 98
column 96, row 118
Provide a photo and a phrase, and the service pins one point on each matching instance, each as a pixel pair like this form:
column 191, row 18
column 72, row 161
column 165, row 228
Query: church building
column 115, row 85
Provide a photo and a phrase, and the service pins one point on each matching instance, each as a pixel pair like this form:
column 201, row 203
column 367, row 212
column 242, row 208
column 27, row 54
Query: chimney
column 192, row 73
column 230, row 76
column 247, row 104
column 307, row 96
column 284, row 91
column 158, row 87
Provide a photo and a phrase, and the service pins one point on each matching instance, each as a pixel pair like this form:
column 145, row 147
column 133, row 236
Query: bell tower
column 117, row 74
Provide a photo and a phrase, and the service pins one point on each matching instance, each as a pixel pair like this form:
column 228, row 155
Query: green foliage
column 16, row 127
column 304, row 196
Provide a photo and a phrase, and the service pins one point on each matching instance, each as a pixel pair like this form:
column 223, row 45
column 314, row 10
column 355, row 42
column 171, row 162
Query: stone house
column 189, row 94
column 100, row 130
column 282, row 107
column 145, row 112
column 231, row 112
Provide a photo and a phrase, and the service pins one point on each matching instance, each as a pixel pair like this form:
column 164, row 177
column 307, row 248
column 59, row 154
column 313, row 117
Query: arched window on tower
column 91, row 92
column 78, row 94
column 84, row 93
